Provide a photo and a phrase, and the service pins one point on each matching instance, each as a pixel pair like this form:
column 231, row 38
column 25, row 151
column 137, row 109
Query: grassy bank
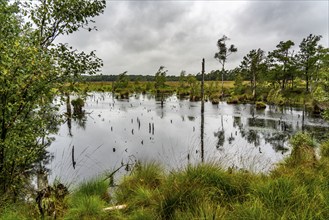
column 296, row 189
column 265, row 93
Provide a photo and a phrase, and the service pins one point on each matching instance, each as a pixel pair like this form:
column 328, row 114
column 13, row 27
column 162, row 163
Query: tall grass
column 298, row 188
column 18, row 211
column 89, row 200
column 94, row 187
column 86, row 207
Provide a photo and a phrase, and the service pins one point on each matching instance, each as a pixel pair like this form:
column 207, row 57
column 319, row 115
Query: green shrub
column 233, row 100
column 77, row 105
column 260, row 105
column 275, row 97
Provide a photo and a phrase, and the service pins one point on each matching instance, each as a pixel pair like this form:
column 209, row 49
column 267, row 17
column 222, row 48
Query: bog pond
column 115, row 131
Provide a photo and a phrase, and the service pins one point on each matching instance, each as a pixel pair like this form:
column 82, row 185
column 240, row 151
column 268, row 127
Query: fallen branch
column 117, row 207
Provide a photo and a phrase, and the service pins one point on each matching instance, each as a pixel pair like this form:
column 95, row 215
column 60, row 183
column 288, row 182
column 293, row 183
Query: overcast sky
column 140, row 36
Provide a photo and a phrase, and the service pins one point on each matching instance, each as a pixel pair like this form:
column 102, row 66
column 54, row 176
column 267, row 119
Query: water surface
column 115, row 132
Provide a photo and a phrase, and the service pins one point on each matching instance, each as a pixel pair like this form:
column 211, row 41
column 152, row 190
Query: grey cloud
column 284, row 19
column 139, row 36
column 146, row 25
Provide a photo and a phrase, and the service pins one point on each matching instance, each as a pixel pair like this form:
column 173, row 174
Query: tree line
column 281, row 67
column 211, row 76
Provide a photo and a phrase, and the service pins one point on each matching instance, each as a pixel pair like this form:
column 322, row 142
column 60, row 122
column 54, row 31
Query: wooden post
column 69, row 113
column 202, row 112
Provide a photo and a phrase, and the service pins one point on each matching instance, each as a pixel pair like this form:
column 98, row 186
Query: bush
column 233, row 100
column 260, row 105
column 77, row 105
column 275, row 97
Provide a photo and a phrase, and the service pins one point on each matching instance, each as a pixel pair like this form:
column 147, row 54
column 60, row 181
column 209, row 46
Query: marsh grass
column 298, row 188
column 86, row 207
column 23, row 211
column 140, row 188
column 94, row 187
column 88, row 200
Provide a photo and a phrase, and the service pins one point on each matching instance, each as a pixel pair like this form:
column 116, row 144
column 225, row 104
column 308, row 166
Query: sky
column 140, row 36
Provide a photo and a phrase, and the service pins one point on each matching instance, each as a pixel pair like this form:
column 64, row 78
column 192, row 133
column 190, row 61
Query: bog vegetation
column 296, row 189
column 34, row 70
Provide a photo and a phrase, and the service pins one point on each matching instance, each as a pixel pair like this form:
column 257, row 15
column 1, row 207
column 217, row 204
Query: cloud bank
column 140, row 36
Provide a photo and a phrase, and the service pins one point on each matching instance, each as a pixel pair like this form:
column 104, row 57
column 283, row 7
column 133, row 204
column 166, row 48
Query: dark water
column 115, row 131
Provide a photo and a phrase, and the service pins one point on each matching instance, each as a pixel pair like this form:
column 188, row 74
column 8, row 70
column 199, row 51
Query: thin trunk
column 202, row 112
column 223, row 69
column 292, row 81
column 2, row 144
column 254, row 86
column 69, row 113
column 162, row 99
column 303, row 116
column 283, row 84
column 307, row 79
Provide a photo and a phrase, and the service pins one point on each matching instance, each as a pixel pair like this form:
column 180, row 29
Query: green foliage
column 182, row 79
column 238, row 84
column 308, row 56
column 223, row 50
column 194, row 86
column 160, row 78
column 77, row 105
column 121, row 82
column 275, row 97
column 33, row 70
column 253, row 65
column 282, row 63
column 223, row 53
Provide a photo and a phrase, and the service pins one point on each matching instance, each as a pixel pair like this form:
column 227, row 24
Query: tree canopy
column 33, row 70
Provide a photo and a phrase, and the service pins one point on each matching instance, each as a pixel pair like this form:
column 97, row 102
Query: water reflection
column 220, row 138
column 112, row 131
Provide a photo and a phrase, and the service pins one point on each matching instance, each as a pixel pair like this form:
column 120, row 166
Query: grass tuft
column 86, row 207
column 94, row 187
